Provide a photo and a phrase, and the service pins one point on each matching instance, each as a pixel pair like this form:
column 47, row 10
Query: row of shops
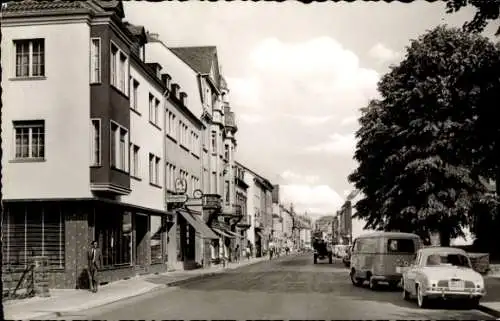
column 133, row 240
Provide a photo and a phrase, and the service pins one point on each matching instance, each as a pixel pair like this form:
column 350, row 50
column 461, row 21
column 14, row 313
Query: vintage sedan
column 442, row 273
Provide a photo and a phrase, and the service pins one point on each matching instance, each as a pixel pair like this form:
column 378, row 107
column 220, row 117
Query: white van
column 382, row 256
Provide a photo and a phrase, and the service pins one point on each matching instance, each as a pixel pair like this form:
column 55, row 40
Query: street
column 285, row 288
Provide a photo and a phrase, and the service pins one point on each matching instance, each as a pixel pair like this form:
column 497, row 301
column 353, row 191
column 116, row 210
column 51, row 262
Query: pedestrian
column 94, row 258
column 237, row 253
column 271, row 249
column 248, row 252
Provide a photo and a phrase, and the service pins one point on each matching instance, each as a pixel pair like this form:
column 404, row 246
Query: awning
column 234, row 233
column 198, row 225
column 223, row 233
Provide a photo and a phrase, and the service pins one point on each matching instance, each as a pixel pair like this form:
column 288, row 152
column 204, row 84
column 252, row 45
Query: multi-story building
column 259, row 206
column 241, row 197
column 87, row 163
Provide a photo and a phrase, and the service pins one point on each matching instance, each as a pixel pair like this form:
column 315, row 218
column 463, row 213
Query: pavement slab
column 286, row 288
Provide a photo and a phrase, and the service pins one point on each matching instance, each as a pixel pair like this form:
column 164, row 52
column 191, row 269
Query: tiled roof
column 30, row 5
column 198, row 58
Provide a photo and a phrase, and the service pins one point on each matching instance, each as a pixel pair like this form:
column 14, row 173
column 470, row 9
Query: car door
column 411, row 273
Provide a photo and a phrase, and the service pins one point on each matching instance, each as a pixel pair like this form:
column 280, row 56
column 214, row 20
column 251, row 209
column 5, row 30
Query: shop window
column 155, row 244
column 114, row 234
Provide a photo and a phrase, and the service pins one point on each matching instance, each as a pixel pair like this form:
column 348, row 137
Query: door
column 411, row 274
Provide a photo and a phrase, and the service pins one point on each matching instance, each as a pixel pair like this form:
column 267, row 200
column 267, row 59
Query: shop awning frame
column 222, row 233
column 234, row 233
column 198, row 224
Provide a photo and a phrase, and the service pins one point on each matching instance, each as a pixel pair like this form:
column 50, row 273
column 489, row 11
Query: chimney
column 175, row 90
column 156, row 68
column 165, row 79
column 183, row 98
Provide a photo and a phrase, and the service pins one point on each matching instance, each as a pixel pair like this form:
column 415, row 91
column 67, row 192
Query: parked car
column 442, row 273
column 379, row 256
column 347, row 257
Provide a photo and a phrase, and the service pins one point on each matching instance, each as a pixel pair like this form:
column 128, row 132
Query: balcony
column 211, row 202
column 231, row 210
column 230, row 121
column 245, row 223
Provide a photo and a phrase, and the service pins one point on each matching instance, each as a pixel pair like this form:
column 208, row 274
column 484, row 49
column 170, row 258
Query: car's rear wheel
column 422, row 301
column 355, row 281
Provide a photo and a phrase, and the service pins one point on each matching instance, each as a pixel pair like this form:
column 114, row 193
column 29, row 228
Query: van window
column 368, row 245
column 400, row 246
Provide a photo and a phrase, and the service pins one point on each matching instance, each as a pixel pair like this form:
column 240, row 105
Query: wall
column 149, row 138
column 62, row 100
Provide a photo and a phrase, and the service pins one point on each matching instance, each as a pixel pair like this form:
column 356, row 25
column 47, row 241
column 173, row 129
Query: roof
column 388, row 234
column 198, row 58
column 31, row 6
column 441, row 249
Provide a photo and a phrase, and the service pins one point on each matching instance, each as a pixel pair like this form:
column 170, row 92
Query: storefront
column 62, row 230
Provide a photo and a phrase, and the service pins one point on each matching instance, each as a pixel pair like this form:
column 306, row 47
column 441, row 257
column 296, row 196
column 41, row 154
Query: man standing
column 94, row 258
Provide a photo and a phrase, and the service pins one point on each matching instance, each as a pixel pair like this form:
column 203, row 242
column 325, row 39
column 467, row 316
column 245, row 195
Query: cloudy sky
column 298, row 75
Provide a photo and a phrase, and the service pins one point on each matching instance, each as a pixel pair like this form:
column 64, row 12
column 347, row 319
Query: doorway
column 141, row 231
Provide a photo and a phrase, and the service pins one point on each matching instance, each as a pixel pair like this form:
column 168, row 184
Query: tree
column 419, row 150
column 486, row 11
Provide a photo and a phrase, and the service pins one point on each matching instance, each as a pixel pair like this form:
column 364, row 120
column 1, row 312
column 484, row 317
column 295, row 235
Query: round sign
column 180, row 185
column 198, row 193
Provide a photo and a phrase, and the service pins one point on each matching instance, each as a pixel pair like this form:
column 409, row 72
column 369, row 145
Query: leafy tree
column 486, row 11
column 419, row 150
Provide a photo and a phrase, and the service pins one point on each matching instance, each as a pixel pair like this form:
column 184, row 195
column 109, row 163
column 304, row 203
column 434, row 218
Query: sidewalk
column 70, row 302
column 490, row 304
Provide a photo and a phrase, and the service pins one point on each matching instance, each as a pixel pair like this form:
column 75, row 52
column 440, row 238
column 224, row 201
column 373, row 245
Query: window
column 214, row 141
column 134, row 168
column 133, row 94
column 113, row 233
column 226, row 151
column 156, row 111
column 213, row 183
column 171, row 129
column 154, row 169
column 170, row 176
column 119, row 69
column 95, row 60
column 401, row 245
column 95, row 142
column 206, row 181
column 30, row 58
column 30, row 232
column 151, row 108
column 30, row 139
column 119, row 147
column 227, row 191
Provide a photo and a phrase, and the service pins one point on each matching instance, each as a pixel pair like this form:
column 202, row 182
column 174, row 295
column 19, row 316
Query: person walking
column 248, row 252
column 94, row 258
column 237, row 253
column 271, row 250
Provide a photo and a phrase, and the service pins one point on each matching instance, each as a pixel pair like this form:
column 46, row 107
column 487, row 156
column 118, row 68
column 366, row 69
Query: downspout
column 166, row 95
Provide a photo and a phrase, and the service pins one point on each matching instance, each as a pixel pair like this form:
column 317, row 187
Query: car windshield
column 447, row 259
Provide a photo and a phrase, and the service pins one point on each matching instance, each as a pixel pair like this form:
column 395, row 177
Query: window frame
column 134, row 93
column 134, row 160
column 116, row 140
column 99, row 63
column 30, row 42
column 115, row 80
column 93, row 161
column 30, row 124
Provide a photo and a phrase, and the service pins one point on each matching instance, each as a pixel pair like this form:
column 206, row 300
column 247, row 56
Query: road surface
column 285, row 288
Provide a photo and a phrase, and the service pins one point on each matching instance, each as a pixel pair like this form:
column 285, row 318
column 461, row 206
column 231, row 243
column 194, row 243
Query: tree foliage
column 421, row 147
column 486, row 11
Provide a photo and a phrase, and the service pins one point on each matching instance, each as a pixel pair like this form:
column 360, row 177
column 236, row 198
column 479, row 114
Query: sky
column 298, row 75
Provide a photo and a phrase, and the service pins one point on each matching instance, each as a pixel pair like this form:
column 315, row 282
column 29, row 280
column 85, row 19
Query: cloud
column 244, row 92
column 349, row 121
column 384, row 54
column 251, row 118
column 315, row 200
column 337, row 144
column 297, row 178
column 311, row 120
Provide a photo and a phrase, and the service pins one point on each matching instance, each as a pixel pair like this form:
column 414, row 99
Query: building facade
column 71, row 165
column 113, row 145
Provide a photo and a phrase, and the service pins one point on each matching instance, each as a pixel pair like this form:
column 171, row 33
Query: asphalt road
column 285, row 288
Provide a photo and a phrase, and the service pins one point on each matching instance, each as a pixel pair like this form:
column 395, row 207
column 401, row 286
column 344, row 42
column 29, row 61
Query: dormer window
column 183, row 98
column 166, row 79
column 175, row 90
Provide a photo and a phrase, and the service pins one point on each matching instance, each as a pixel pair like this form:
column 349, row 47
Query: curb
column 208, row 274
column 58, row 314
column 490, row 311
